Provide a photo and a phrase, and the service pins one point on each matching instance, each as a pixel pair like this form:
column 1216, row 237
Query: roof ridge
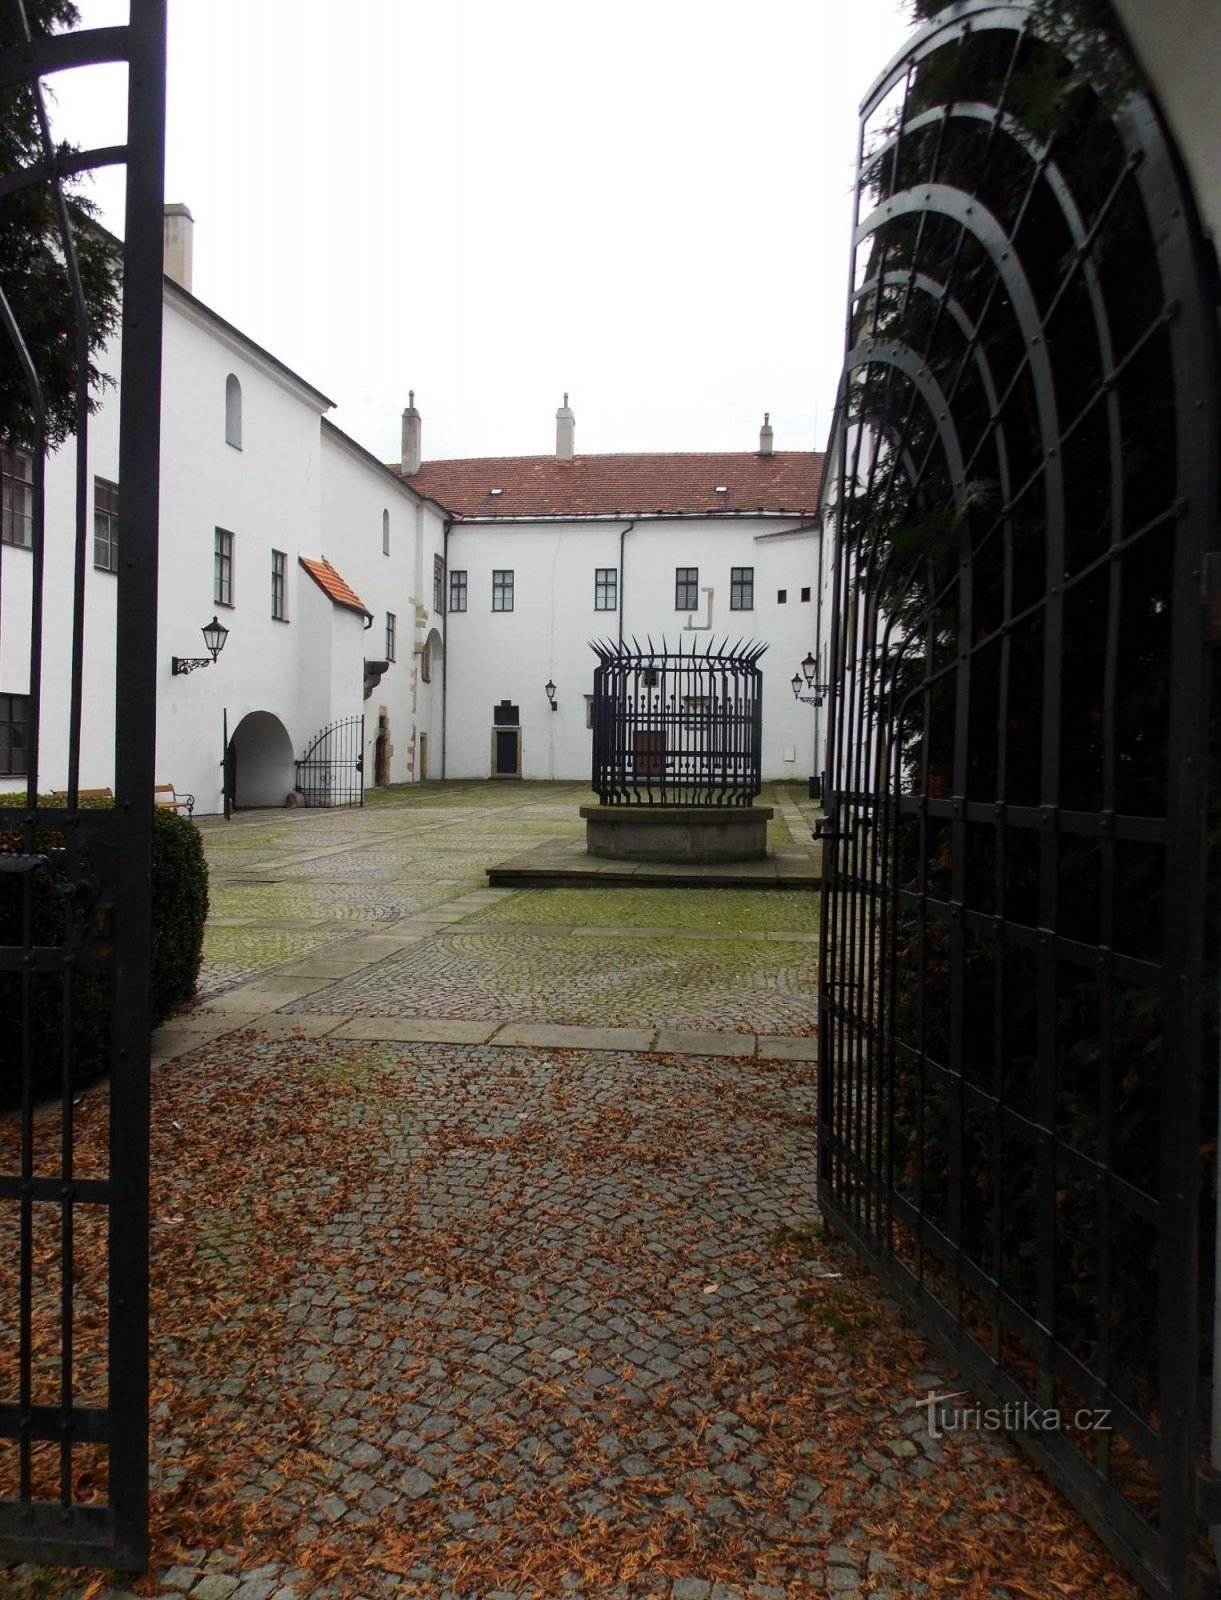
column 626, row 455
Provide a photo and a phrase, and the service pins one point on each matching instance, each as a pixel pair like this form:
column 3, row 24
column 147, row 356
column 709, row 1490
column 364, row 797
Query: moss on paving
column 736, row 910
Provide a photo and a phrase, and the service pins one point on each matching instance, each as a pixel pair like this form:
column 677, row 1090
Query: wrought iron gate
column 332, row 770
column 75, row 880
column 1017, row 990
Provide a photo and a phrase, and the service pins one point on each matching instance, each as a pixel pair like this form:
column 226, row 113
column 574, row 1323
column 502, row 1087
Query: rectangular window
column 438, row 583
column 606, row 588
column 502, row 591
column 457, row 591
column 222, row 568
column 16, row 498
column 805, row 593
column 14, row 730
column 589, row 710
column 279, row 575
column 390, row 635
column 686, row 588
column 741, row 588
column 781, row 596
column 105, row 525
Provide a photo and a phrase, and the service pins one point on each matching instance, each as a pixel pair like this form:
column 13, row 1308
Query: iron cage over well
column 675, row 727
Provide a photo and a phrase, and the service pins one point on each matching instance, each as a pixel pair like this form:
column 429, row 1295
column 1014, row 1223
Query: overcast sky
column 644, row 203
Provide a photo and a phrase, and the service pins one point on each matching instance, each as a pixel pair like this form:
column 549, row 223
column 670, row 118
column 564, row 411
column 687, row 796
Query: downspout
column 820, row 760
column 444, row 636
column 623, row 533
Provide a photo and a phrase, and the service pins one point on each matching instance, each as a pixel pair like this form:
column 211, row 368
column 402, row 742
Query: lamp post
column 817, row 694
column 215, row 634
column 549, row 691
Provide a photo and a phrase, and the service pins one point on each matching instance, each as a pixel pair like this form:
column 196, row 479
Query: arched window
column 233, row 412
column 385, row 533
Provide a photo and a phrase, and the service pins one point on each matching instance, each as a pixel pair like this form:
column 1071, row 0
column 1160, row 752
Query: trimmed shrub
column 179, row 910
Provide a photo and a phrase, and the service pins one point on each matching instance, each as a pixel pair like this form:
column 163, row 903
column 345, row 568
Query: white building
column 430, row 599
column 546, row 553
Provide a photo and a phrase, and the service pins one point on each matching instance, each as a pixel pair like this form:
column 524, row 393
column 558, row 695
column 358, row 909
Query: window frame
column 502, row 588
column 279, row 586
column 10, row 460
column 606, row 588
column 223, row 553
column 686, row 582
column 392, row 628
column 233, row 411
column 741, row 588
column 438, row 584
column 457, row 588
column 107, row 515
column 7, row 723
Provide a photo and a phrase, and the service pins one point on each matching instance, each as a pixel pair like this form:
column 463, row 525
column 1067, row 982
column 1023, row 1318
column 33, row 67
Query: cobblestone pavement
column 452, row 1321
column 474, row 1320
column 289, row 886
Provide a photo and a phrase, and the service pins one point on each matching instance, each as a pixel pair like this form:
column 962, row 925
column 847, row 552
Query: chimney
column 178, row 228
column 565, row 432
column 765, row 435
column 411, row 437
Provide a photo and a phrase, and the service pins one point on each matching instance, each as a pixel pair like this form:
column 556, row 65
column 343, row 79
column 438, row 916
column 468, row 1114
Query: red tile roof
column 328, row 580
column 624, row 485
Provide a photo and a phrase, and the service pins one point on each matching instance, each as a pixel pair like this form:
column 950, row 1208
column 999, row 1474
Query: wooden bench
column 165, row 794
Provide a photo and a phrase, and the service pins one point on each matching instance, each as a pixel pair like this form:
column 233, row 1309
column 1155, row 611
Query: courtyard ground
column 486, row 1260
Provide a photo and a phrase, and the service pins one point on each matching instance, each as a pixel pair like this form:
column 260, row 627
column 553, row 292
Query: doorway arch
column 259, row 768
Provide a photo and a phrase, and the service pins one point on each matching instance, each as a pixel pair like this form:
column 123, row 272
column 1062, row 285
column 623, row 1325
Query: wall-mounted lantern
column 818, row 691
column 214, row 635
column 549, row 691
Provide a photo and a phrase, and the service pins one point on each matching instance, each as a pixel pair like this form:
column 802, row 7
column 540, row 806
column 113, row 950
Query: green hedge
column 179, row 910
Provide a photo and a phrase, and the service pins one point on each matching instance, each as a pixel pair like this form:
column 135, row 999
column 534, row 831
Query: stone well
column 677, row 833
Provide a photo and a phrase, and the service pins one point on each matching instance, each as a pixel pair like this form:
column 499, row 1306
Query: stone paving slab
column 778, row 1048
column 267, row 994
column 316, row 1026
column 673, row 1041
column 558, row 1036
column 444, row 1030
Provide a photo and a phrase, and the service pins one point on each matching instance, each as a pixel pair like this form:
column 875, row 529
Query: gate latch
column 23, row 863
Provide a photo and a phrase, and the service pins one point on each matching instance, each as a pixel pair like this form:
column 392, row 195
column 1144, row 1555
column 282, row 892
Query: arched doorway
column 259, row 768
column 432, row 672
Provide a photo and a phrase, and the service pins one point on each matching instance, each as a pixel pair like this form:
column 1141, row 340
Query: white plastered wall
column 495, row 656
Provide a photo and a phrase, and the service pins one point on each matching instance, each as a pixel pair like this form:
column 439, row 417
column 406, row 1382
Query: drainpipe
column 444, row 635
column 820, row 761
column 623, row 533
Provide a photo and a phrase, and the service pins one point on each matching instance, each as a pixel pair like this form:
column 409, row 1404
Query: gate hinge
column 1211, row 586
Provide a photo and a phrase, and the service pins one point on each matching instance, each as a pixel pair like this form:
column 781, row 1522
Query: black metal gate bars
column 332, row 770
column 75, row 881
column 1019, row 1061
column 677, row 727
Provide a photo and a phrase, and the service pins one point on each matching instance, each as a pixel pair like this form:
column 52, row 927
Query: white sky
column 645, row 203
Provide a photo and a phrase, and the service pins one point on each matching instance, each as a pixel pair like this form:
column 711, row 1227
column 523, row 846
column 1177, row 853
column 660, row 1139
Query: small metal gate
column 677, row 728
column 1018, row 971
column 332, row 770
column 75, row 880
